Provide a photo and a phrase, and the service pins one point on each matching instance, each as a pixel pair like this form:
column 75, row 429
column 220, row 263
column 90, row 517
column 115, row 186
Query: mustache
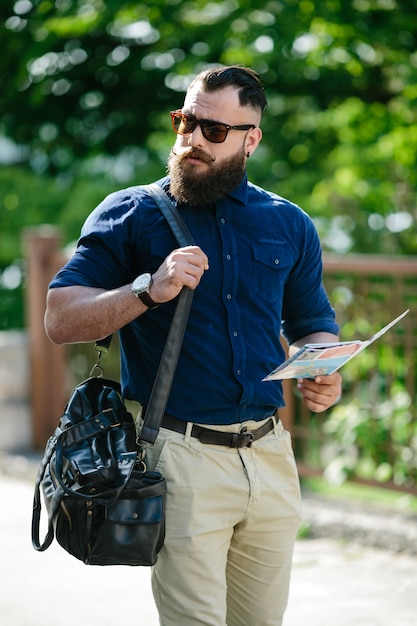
column 196, row 153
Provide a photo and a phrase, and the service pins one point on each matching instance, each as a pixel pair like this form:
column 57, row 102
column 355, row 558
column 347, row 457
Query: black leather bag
column 104, row 506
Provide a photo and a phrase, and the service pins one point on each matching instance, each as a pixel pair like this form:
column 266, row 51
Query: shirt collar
column 240, row 193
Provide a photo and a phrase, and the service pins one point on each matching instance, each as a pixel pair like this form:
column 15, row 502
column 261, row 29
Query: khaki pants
column 232, row 517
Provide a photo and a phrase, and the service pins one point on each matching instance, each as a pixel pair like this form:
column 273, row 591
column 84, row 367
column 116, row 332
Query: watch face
column 141, row 283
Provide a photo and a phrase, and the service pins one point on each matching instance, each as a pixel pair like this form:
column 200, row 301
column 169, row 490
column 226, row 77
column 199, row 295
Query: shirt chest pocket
column 272, row 264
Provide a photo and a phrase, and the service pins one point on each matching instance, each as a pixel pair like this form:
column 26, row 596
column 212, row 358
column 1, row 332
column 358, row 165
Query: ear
column 253, row 138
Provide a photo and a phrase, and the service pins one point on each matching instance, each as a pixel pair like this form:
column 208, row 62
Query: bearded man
column 233, row 507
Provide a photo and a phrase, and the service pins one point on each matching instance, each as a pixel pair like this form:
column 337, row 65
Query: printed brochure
column 321, row 359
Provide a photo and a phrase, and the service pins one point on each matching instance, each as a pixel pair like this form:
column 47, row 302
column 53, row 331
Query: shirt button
column 229, row 297
column 228, row 257
column 276, row 261
column 222, row 220
column 239, row 372
column 234, row 333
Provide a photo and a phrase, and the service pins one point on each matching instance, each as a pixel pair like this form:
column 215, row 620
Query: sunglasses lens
column 216, row 133
column 185, row 125
column 182, row 124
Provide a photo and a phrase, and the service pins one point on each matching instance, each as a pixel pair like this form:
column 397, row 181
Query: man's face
column 200, row 170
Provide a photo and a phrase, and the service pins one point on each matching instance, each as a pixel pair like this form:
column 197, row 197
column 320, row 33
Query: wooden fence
column 47, row 361
column 367, row 292
column 377, row 415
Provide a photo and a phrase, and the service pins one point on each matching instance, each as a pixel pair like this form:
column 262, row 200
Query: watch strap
column 147, row 300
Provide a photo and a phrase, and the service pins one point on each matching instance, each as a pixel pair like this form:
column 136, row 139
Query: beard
column 189, row 185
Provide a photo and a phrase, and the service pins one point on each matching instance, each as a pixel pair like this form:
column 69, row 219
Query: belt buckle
column 246, row 437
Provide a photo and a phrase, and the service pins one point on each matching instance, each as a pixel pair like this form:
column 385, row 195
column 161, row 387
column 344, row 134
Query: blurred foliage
column 11, row 307
column 86, row 86
column 375, row 442
column 372, row 433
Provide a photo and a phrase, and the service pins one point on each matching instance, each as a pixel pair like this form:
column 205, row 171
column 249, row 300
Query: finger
column 316, row 407
column 318, row 396
column 322, row 384
column 316, row 401
column 193, row 255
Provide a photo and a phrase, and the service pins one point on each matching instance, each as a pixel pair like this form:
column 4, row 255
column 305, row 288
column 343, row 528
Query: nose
column 196, row 138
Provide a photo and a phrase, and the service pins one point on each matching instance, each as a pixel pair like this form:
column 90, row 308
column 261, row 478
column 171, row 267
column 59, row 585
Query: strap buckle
column 242, row 439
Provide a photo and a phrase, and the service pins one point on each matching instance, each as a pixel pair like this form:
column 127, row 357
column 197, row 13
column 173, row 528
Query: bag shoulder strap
column 171, row 214
column 165, row 375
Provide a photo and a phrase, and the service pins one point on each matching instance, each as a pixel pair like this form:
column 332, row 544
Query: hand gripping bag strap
column 175, row 222
column 165, row 375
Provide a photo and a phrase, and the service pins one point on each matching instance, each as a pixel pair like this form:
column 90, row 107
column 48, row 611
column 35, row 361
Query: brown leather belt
column 242, row 439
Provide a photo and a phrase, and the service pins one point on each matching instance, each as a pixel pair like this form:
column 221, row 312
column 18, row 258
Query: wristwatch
column 140, row 288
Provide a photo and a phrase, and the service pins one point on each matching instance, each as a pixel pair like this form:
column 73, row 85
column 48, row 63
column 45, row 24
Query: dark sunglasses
column 216, row 132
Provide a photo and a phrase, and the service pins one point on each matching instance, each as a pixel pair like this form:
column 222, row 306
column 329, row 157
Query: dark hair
column 246, row 80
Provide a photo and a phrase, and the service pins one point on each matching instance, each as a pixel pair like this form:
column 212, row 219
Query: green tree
column 86, row 81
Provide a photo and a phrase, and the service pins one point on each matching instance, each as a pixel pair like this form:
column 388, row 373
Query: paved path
column 334, row 583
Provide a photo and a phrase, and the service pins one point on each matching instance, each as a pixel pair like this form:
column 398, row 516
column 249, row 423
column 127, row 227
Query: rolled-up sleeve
column 306, row 308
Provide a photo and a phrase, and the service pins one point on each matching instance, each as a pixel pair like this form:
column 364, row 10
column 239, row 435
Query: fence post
column 47, row 361
column 286, row 414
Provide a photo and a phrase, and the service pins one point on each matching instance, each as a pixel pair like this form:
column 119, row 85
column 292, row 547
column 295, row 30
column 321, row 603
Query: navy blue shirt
column 265, row 276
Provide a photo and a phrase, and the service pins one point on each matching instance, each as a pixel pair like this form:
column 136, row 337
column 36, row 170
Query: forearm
column 82, row 314
column 320, row 337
